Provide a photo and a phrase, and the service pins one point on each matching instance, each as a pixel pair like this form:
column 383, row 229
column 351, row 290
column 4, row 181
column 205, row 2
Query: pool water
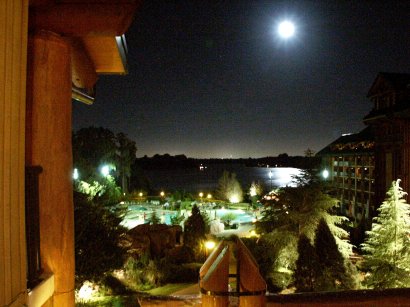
column 138, row 215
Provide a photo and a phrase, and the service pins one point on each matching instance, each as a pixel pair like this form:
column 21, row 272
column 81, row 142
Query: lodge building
column 362, row 166
column 349, row 161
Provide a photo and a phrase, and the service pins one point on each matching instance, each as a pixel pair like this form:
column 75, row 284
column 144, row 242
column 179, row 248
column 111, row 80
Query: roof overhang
column 96, row 30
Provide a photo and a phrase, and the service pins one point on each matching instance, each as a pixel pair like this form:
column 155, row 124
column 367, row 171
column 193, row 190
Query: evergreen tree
column 125, row 157
column 387, row 244
column 300, row 207
column 194, row 230
column 92, row 148
column 298, row 210
column 97, row 239
column 306, row 265
column 331, row 273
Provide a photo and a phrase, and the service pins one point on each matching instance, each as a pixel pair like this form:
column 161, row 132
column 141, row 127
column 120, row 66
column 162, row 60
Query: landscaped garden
column 130, row 245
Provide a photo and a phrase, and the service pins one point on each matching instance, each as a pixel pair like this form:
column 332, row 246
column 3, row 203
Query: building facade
column 362, row 166
column 390, row 121
column 349, row 164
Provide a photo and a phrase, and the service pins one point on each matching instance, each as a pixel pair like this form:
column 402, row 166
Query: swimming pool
column 138, row 214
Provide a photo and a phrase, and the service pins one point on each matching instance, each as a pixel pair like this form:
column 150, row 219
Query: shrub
column 181, row 254
column 142, row 274
column 228, row 218
column 177, row 219
column 179, row 273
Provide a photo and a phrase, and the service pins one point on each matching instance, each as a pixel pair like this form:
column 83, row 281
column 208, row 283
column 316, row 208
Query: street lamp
column 201, row 195
column 105, row 170
column 209, row 245
column 76, row 175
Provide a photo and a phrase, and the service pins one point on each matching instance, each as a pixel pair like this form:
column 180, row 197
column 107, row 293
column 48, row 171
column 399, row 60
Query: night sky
column 212, row 79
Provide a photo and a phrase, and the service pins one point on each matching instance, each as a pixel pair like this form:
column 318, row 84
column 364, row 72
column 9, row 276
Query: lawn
column 168, row 289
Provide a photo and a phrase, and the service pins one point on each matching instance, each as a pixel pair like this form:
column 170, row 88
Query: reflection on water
column 207, row 180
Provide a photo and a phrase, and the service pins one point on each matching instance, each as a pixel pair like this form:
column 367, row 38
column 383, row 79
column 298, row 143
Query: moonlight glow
column 286, row 29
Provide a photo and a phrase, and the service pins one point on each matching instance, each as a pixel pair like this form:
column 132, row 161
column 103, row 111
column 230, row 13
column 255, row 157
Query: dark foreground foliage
column 97, row 233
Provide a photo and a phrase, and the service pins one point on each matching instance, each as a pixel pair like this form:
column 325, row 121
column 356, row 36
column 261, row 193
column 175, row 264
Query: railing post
column 32, row 225
column 252, row 285
column 214, row 276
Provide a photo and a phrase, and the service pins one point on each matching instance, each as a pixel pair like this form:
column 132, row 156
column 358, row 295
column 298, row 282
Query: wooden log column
column 13, row 54
column 48, row 144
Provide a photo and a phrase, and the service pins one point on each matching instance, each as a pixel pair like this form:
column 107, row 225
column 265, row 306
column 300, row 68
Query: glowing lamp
column 252, row 191
column 105, row 170
column 234, row 199
column 209, row 244
column 76, row 175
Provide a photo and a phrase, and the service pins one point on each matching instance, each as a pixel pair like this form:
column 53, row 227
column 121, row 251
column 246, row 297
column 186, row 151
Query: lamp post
column 209, row 245
column 105, row 170
column 76, row 175
column 200, row 196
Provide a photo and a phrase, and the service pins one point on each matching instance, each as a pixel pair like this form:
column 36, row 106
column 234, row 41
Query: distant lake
column 206, row 179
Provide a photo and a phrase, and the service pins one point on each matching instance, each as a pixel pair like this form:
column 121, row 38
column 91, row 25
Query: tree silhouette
column 92, row 148
column 331, row 271
column 125, row 157
column 229, row 188
column 306, row 265
column 194, row 229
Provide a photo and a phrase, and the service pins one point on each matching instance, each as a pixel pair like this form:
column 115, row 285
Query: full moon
column 286, row 29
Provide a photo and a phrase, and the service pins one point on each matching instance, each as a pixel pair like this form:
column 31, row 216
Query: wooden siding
column 13, row 54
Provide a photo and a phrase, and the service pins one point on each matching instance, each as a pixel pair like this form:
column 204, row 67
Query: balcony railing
column 34, row 269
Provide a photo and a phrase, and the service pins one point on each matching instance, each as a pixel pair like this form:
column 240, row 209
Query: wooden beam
column 82, row 19
column 82, row 67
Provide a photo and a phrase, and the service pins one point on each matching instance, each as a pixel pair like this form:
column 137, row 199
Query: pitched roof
column 351, row 143
column 398, row 81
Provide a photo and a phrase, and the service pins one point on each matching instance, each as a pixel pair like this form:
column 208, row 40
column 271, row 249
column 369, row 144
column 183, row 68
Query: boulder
column 160, row 238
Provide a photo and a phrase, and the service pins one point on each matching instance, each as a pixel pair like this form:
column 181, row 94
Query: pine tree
column 300, row 208
column 298, row 211
column 331, row 270
column 194, row 228
column 305, row 266
column 387, row 244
